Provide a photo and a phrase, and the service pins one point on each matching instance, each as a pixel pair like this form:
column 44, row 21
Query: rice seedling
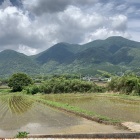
column 17, row 104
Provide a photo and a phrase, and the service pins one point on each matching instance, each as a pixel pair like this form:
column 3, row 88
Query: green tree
column 18, row 81
column 105, row 74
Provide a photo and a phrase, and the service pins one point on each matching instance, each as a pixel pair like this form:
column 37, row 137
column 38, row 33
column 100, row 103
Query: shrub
column 32, row 89
column 128, row 84
column 63, row 85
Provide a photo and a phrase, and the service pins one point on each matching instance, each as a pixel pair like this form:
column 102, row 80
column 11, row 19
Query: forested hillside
column 113, row 55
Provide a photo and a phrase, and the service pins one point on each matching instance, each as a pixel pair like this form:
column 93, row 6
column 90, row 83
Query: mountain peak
column 109, row 55
column 11, row 53
column 116, row 38
column 8, row 50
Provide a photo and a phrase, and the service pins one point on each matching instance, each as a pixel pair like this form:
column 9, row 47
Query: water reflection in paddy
column 114, row 107
column 37, row 118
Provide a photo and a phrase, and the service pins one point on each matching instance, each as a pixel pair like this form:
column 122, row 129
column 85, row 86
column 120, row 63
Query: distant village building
column 96, row 79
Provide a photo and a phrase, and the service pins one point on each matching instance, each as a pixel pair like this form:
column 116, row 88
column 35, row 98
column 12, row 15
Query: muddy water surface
column 37, row 118
column 112, row 107
column 124, row 110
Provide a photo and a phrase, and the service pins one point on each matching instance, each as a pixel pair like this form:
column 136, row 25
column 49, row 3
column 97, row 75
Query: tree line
column 128, row 84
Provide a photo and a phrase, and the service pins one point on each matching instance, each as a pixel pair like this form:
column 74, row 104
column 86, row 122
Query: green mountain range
column 114, row 54
column 12, row 62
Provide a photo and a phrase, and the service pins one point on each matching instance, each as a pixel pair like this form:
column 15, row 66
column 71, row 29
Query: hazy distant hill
column 12, row 61
column 113, row 54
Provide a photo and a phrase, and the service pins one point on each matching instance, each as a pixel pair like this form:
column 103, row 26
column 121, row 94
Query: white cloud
column 17, row 28
column 133, row 2
column 121, row 7
column 134, row 29
column 29, row 31
column 40, row 7
column 104, row 33
column 27, row 50
column 74, row 23
column 5, row 4
column 119, row 22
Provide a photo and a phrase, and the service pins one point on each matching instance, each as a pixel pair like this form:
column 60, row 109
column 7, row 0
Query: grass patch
column 126, row 97
column 5, row 91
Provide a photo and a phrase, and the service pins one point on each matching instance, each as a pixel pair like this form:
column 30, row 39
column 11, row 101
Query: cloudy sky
column 31, row 26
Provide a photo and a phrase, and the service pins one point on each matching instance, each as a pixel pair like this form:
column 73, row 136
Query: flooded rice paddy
column 22, row 113
column 110, row 106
